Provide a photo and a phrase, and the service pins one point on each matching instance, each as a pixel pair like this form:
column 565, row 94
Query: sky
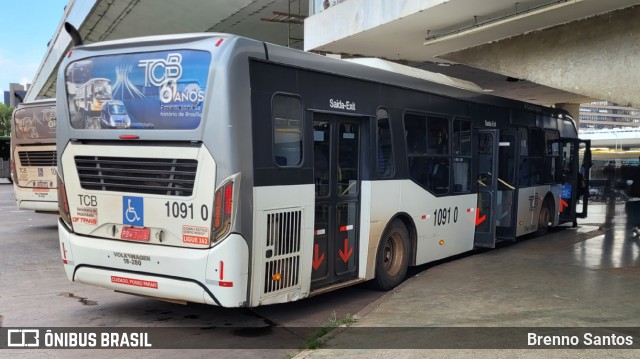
column 27, row 27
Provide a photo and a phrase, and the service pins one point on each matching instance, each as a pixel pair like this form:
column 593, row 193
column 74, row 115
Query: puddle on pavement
column 82, row 300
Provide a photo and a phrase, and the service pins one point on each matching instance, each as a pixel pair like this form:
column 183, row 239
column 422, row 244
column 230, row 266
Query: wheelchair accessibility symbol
column 133, row 211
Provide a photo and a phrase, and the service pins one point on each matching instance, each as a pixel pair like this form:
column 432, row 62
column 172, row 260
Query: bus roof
column 42, row 101
column 459, row 89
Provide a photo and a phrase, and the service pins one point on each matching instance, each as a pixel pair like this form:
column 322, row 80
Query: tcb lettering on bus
column 87, row 200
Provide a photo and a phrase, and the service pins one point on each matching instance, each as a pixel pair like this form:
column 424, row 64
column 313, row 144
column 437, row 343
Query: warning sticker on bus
column 195, row 235
column 134, row 282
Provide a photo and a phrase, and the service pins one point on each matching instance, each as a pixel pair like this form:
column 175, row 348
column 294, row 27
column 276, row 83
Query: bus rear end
column 148, row 206
column 33, row 156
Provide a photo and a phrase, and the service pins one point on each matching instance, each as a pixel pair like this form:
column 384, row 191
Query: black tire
column 392, row 258
column 544, row 217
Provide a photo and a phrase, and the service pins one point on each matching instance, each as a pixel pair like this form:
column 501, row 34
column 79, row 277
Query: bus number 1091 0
column 443, row 216
column 184, row 211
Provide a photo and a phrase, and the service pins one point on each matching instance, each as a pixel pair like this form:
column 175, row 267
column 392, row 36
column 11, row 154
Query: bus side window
column 428, row 151
column 438, row 135
column 287, row 130
column 385, row 162
column 552, row 168
column 462, row 156
column 523, row 173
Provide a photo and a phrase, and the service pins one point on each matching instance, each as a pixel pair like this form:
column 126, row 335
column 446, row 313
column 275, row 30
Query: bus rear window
column 35, row 123
column 152, row 90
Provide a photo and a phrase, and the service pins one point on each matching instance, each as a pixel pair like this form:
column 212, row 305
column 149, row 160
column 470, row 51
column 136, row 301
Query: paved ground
column 35, row 292
column 585, row 277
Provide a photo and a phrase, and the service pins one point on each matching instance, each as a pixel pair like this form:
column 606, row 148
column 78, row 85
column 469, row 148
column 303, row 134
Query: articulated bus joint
column 151, row 275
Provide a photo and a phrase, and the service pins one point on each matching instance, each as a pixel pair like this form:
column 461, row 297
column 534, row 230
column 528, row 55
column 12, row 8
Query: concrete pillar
column 573, row 109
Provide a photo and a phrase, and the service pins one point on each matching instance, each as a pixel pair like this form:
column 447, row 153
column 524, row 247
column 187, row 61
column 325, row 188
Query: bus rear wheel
column 392, row 258
column 544, row 218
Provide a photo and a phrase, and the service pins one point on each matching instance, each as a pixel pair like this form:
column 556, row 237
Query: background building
column 605, row 114
column 9, row 96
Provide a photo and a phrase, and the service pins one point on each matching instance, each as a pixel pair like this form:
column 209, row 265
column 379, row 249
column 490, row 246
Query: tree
column 5, row 119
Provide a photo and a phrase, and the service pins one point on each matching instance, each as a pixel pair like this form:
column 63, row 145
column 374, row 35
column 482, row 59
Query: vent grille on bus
column 38, row 158
column 282, row 266
column 172, row 177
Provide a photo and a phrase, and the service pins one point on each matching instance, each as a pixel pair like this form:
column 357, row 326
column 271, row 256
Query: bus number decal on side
column 184, row 211
column 443, row 216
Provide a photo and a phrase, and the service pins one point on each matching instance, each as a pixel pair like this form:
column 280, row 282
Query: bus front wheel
column 392, row 258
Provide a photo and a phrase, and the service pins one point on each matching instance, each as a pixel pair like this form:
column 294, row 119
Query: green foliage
column 315, row 340
column 5, row 119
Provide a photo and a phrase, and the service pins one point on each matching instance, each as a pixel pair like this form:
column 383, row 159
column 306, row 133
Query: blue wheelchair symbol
column 133, row 211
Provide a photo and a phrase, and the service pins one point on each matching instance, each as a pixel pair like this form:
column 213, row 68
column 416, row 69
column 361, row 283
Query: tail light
column 222, row 210
column 63, row 203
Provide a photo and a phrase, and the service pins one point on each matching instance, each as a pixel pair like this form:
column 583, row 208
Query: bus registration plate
column 135, row 234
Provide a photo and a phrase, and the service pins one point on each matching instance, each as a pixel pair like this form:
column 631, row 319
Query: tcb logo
column 23, row 338
column 159, row 72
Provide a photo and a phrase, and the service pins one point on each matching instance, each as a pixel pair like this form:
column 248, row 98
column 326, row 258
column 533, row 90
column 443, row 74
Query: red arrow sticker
column 480, row 219
column 563, row 204
column 317, row 260
column 347, row 251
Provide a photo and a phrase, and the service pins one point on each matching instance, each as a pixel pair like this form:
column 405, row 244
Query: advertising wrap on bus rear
column 152, row 90
column 35, row 123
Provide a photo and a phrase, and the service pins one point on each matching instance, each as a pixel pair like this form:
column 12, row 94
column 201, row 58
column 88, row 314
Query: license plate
column 135, row 234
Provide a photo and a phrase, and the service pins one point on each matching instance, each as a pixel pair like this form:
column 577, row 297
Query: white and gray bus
column 253, row 174
column 33, row 156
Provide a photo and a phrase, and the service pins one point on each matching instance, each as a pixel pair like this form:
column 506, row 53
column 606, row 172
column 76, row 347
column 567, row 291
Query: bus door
column 487, row 182
column 337, row 151
column 507, row 194
column 574, row 179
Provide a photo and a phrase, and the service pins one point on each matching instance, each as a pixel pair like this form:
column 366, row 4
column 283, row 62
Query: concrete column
column 573, row 109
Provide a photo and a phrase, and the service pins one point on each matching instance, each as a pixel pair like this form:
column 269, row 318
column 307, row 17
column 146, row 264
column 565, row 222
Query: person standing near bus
column 609, row 172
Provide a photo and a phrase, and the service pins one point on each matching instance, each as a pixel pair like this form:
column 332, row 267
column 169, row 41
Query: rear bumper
column 37, row 199
column 216, row 276
column 39, row 206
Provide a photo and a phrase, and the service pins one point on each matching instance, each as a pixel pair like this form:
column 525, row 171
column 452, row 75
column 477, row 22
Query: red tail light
column 222, row 210
column 228, row 196
column 63, row 203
